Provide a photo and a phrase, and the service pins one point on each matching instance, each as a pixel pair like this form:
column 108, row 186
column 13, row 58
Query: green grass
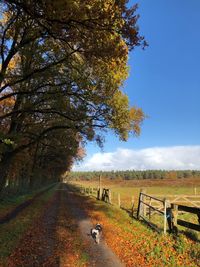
column 11, row 232
column 9, row 203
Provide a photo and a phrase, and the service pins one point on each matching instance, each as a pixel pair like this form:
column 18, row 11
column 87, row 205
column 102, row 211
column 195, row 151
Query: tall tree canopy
column 63, row 64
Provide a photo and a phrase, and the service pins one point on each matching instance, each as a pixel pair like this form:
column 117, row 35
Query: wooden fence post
column 150, row 209
column 99, row 192
column 144, row 206
column 132, row 205
column 165, row 215
column 103, row 195
column 195, row 191
column 141, row 207
column 119, row 201
column 198, row 215
column 138, row 210
column 174, row 208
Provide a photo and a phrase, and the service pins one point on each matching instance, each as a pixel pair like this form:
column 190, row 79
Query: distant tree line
column 133, row 175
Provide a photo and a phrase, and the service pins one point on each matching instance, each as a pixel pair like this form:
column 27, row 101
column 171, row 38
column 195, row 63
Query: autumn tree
column 63, row 64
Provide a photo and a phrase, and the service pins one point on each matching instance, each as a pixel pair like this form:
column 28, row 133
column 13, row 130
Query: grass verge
column 11, row 232
column 9, row 203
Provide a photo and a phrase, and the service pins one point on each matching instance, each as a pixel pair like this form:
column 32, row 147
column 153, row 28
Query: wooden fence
column 106, row 195
column 192, row 200
column 168, row 207
column 173, row 220
column 145, row 204
column 88, row 190
column 168, row 210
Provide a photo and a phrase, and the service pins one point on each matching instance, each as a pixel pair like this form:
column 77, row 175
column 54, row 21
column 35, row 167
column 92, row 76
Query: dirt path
column 100, row 254
column 49, row 242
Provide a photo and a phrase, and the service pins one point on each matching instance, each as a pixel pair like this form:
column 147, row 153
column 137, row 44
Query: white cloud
column 176, row 157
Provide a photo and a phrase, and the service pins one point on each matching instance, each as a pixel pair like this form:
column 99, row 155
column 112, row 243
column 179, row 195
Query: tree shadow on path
column 100, row 254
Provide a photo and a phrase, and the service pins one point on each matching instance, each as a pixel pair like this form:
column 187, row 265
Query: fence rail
column 174, row 221
column 193, row 200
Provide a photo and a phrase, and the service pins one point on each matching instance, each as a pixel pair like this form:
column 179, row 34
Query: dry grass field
column 131, row 188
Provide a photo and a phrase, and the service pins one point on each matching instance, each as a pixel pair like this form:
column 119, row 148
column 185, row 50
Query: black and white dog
column 96, row 232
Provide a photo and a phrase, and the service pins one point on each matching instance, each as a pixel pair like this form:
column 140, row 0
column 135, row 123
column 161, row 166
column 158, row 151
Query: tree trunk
column 34, row 164
column 5, row 163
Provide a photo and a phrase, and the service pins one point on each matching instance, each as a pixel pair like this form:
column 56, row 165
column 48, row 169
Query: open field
column 131, row 188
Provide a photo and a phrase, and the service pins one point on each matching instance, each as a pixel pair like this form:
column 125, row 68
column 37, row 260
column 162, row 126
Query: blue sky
column 164, row 81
